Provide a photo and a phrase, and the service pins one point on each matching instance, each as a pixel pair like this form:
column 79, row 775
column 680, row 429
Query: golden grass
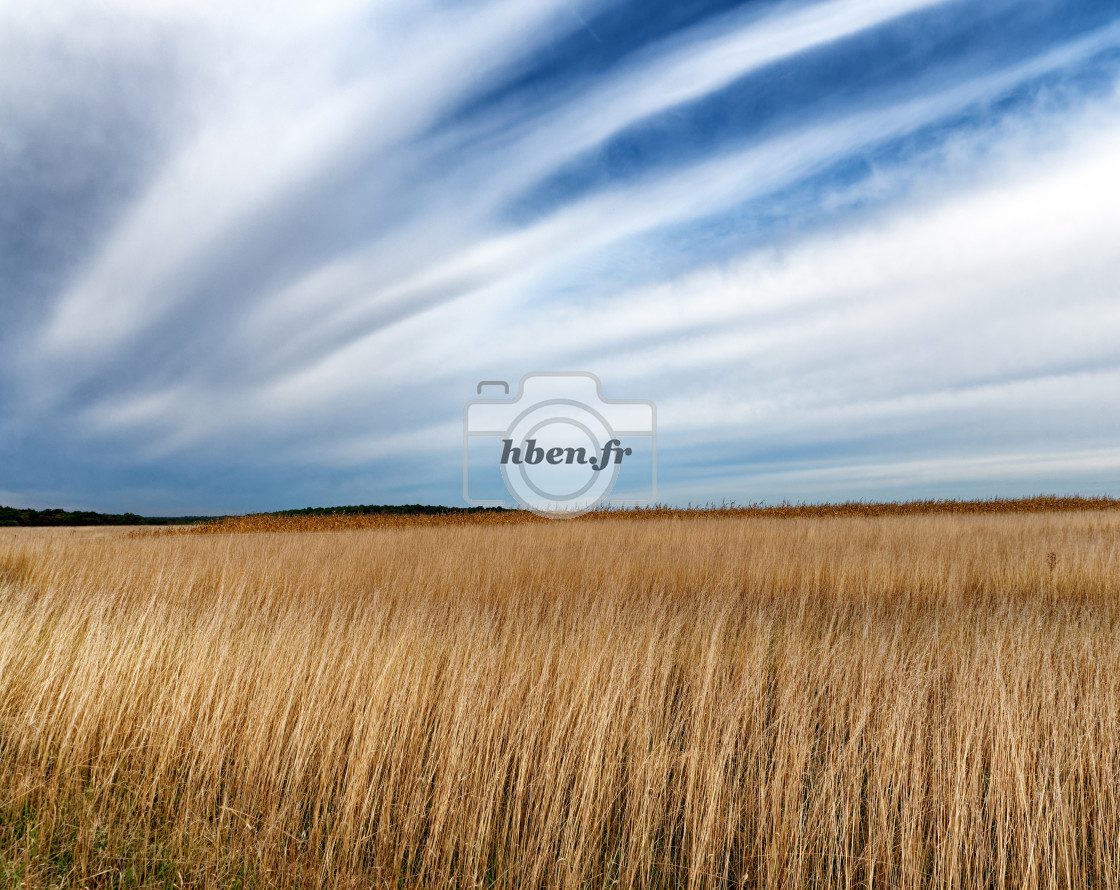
column 922, row 701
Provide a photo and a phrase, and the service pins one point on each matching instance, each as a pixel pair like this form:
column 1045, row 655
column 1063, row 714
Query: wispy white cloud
column 944, row 310
column 276, row 126
column 990, row 306
column 360, row 297
column 323, row 260
column 1088, row 472
column 272, row 131
column 678, row 70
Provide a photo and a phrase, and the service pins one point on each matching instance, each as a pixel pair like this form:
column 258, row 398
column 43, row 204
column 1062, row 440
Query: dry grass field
column 686, row 701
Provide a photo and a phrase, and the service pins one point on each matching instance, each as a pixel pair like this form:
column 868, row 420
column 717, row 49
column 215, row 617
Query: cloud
column 321, row 226
column 268, row 136
column 988, row 315
column 679, row 70
column 338, row 302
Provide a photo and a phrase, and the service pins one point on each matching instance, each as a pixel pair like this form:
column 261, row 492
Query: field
column 689, row 700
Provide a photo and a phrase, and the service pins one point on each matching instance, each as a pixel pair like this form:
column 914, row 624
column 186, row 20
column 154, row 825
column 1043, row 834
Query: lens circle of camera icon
column 560, row 487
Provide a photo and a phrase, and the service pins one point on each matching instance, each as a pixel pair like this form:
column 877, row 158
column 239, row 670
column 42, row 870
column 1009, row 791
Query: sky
column 258, row 256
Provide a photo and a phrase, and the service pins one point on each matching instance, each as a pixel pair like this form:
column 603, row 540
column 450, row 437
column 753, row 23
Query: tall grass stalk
column 923, row 701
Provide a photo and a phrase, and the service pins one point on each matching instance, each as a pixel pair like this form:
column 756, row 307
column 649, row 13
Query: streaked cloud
column 843, row 244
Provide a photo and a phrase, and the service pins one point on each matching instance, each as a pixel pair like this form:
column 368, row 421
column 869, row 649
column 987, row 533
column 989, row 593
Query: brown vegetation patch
column 265, row 522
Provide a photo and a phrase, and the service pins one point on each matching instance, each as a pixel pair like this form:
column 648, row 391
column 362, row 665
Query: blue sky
column 259, row 259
